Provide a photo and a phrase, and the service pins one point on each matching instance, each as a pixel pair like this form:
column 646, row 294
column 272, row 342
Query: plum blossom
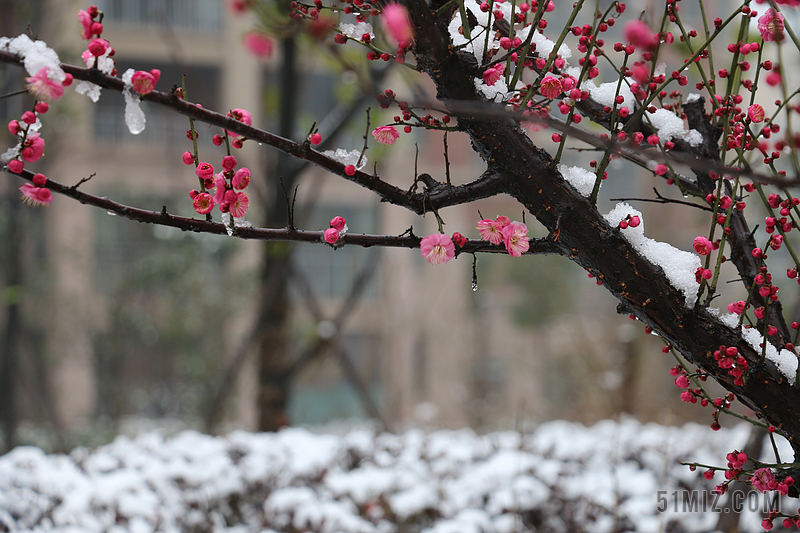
column 551, row 87
column 397, row 22
column 770, row 25
column 339, row 223
column 43, row 87
column 331, row 235
column 437, row 248
column 36, row 196
column 492, row 230
column 737, row 307
column 239, row 205
column 640, row 35
column 242, row 115
column 493, row 74
column 258, row 44
column 755, row 113
column 385, row 134
column 86, row 21
column 241, row 179
column 33, row 148
column 763, row 480
column 145, row 82
column 515, row 237
column 702, row 245
column 203, row 203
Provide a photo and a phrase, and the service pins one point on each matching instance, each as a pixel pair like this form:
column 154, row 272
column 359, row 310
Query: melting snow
column 346, row 157
column 134, row 116
column 679, row 266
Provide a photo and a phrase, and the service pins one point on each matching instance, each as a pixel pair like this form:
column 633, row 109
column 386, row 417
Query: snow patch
column 36, row 56
column 356, row 31
column 134, row 116
column 346, row 157
column 679, row 266
column 497, row 92
column 583, row 180
column 785, row 360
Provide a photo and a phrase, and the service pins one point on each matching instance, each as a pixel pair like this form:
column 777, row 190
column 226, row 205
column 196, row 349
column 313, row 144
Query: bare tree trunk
column 11, row 329
column 273, row 356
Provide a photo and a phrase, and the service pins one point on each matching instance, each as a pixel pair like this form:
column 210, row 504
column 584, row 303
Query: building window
column 186, row 14
column 163, row 126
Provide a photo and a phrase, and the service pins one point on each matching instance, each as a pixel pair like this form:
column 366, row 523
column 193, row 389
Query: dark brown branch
column 163, row 218
column 419, row 203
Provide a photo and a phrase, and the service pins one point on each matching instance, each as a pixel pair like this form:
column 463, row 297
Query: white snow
column 356, row 31
column 134, row 116
column 37, row 55
column 476, row 45
column 693, row 97
column 346, row 157
column 497, row 92
column 668, row 125
column 580, row 178
column 237, row 222
column 605, row 93
column 363, row 482
column 679, row 266
column 785, row 360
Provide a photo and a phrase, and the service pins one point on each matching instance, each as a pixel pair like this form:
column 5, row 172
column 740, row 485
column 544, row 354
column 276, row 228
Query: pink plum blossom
column 338, row 223
column 702, row 245
column 36, row 196
column 204, row 170
column 493, row 74
column 243, row 116
column 229, row 162
column 315, row 139
column 241, row 179
column 187, row 157
column 770, row 25
column 331, row 235
column 143, row 82
column 86, row 21
column 551, row 87
column 763, row 480
column 515, row 237
column 239, row 206
column 385, row 134
column 640, row 35
column 258, row 44
column 737, row 307
column 98, row 47
column 492, row 230
column 43, row 87
column 437, row 248
column 203, row 203
column 16, row 166
column 33, row 148
column 755, row 113
column 397, row 22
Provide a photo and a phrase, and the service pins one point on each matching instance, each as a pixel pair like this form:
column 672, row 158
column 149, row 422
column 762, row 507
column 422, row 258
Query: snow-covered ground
column 561, row 477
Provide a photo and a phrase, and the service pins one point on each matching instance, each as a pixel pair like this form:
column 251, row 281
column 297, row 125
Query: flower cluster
column 514, row 235
column 337, row 230
column 227, row 185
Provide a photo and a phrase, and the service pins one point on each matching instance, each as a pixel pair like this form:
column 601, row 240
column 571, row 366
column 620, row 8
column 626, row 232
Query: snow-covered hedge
column 561, row 477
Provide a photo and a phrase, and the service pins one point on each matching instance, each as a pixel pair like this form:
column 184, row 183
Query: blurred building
column 137, row 320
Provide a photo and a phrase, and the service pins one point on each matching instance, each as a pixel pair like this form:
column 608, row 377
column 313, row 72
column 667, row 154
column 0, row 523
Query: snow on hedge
column 561, row 477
